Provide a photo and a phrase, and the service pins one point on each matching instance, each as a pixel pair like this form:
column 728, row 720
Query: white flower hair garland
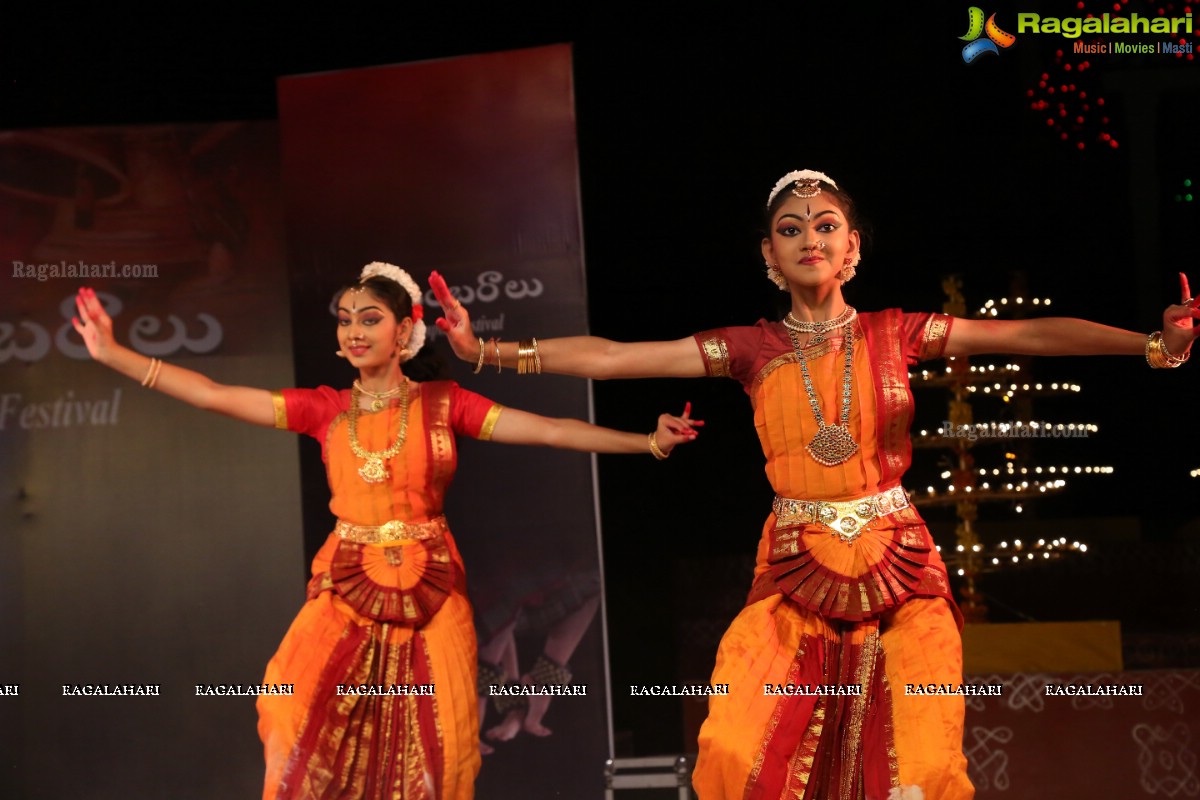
column 394, row 273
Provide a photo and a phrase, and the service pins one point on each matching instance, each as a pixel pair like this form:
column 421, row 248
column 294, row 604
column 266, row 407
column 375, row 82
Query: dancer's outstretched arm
column 240, row 402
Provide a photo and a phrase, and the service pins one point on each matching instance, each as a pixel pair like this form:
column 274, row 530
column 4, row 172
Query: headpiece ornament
column 807, row 178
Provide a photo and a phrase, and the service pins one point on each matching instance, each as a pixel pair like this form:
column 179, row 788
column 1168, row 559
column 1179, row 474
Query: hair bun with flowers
column 393, row 273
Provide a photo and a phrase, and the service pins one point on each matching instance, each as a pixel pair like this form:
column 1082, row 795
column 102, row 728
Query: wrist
column 109, row 355
column 1159, row 354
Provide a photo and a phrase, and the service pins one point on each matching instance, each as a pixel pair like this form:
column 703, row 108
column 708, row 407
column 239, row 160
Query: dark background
column 686, row 119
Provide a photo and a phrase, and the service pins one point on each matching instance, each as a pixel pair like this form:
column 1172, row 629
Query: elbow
column 208, row 397
column 606, row 365
column 554, row 433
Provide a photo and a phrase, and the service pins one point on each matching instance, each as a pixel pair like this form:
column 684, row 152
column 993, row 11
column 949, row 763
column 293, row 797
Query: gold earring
column 775, row 276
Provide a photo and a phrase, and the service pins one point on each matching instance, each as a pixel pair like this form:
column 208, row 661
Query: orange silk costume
column 867, row 606
column 382, row 656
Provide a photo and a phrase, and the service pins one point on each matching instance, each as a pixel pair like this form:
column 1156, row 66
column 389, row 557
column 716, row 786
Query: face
column 368, row 332
column 810, row 240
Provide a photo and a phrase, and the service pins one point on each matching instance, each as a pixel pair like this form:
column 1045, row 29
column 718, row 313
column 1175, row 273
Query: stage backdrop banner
column 146, row 547
column 469, row 166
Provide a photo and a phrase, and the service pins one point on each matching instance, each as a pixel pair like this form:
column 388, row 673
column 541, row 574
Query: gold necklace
column 379, row 398
column 375, row 471
column 833, row 444
column 819, row 329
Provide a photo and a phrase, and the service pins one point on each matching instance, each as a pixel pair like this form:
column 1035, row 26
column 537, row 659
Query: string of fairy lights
column 992, row 432
column 1016, row 553
column 1010, row 479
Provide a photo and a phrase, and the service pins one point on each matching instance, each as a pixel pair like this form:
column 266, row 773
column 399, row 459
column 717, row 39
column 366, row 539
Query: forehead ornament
column 806, row 189
column 806, row 184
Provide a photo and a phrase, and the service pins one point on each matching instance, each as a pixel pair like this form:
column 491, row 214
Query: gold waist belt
column 391, row 531
column 846, row 518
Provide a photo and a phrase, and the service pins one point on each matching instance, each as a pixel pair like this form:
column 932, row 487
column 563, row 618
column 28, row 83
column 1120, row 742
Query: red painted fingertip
column 687, row 409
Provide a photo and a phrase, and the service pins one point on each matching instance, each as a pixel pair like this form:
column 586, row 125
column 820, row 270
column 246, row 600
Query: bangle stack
column 529, row 361
column 152, row 373
column 1159, row 357
column 655, row 450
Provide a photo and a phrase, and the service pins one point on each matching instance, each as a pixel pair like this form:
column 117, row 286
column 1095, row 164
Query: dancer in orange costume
column 382, row 656
column 850, row 597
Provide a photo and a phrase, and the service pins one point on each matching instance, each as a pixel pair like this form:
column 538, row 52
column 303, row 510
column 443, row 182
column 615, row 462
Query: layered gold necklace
column 380, row 399
column 819, row 329
column 375, row 469
column 833, row 444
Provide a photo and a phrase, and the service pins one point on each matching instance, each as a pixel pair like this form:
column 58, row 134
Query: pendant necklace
column 379, row 399
column 375, row 470
column 833, row 444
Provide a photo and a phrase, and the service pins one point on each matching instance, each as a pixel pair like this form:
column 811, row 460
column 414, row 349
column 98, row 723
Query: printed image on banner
column 146, row 543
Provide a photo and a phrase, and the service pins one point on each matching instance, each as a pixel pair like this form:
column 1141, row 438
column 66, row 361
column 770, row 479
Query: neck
column 817, row 303
column 381, row 378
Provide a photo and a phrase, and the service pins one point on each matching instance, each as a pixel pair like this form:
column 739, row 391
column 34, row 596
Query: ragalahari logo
column 976, row 28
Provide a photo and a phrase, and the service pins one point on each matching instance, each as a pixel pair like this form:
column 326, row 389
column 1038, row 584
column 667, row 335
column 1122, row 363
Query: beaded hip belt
column 391, row 531
column 845, row 519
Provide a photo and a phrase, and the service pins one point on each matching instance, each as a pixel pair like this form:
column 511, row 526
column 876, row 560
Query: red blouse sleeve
column 925, row 335
column 472, row 414
column 733, row 352
column 307, row 411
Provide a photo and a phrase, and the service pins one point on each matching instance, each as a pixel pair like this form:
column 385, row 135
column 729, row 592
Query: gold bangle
column 524, row 349
column 529, row 361
column 152, row 373
column 496, row 345
column 655, row 450
column 479, row 363
column 1157, row 355
column 1173, row 360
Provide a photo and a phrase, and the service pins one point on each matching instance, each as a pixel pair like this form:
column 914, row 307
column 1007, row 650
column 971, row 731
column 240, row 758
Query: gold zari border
column 279, row 404
column 489, row 422
column 934, row 337
column 716, row 356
